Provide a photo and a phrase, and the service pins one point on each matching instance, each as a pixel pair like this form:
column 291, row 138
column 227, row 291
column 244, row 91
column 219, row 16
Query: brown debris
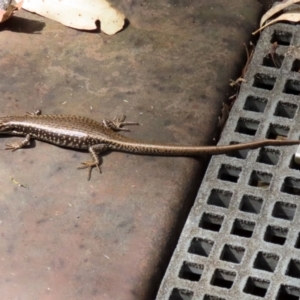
column 226, row 107
column 6, row 14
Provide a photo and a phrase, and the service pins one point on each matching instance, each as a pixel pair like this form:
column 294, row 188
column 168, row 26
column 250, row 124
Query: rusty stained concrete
column 63, row 237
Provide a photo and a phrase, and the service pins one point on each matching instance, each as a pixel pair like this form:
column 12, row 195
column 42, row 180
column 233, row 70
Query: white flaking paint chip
column 79, row 14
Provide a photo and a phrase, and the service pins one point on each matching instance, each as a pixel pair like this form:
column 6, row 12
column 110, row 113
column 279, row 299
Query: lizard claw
column 117, row 123
column 90, row 165
column 13, row 147
column 16, row 146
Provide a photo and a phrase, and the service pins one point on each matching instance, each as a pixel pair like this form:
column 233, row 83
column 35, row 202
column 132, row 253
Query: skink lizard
column 86, row 134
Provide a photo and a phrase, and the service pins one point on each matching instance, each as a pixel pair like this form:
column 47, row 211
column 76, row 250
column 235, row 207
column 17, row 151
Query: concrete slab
column 111, row 238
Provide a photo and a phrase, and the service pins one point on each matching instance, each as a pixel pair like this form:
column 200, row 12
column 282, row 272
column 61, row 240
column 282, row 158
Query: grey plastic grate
column 242, row 237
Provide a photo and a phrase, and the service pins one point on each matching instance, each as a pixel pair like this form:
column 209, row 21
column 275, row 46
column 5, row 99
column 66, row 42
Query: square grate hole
column 263, row 81
column 273, row 61
column 292, row 87
column 268, row 156
column 210, row 297
column 260, row 179
column 297, row 245
column 219, row 198
column 291, row 186
column 251, row 204
column 256, row 286
column 277, row 132
column 293, row 269
column 201, row 246
column 276, row 235
column 241, row 154
column 296, row 66
column 255, row 104
column 293, row 164
column 281, row 37
column 181, row 294
column 229, row 173
column 223, row 278
column 286, row 110
column 288, row 292
column 266, row 261
column 247, row 126
column 211, row 222
column 243, row 228
column 284, row 210
column 232, row 253
column 191, row 271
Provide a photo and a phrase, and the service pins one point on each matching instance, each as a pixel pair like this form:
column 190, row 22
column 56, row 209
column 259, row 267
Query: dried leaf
column 224, row 116
column 273, row 54
column 233, row 97
column 80, row 14
column 18, row 183
column 236, row 82
column 6, row 14
column 276, row 9
column 249, row 57
column 292, row 16
column 273, row 49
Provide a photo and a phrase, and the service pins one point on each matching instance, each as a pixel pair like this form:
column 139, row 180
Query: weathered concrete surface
column 111, row 238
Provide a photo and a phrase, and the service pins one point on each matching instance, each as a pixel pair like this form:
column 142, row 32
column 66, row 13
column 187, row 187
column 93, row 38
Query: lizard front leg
column 117, row 123
column 16, row 146
column 94, row 150
column 35, row 113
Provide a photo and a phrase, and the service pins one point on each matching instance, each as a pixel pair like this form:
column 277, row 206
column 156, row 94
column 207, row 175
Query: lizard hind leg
column 16, row 146
column 117, row 123
column 94, row 150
